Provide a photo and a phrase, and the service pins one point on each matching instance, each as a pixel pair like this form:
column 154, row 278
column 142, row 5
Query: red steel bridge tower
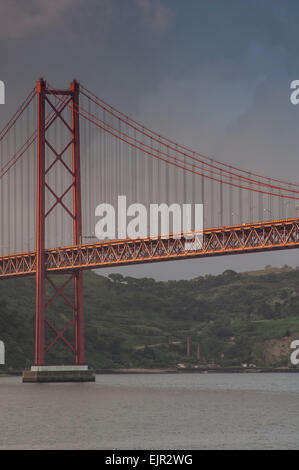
column 45, row 96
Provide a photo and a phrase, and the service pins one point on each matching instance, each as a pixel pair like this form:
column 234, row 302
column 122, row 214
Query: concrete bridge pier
column 58, row 374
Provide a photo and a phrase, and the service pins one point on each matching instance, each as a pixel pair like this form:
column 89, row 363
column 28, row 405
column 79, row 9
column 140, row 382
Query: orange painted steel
column 228, row 240
column 40, row 257
column 40, row 228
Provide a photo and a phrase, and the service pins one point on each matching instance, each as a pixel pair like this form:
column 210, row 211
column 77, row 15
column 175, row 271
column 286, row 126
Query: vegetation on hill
column 144, row 323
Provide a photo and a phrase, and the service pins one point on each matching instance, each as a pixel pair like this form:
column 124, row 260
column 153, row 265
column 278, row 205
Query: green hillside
column 143, row 323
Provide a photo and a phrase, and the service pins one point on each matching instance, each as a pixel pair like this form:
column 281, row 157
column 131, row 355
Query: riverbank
column 152, row 321
column 218, row 370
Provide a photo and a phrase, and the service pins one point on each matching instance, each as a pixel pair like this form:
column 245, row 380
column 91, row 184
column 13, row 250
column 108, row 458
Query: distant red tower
column 198, row 352
column 188, row 346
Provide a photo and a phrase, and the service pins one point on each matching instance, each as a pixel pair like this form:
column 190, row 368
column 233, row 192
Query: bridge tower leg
column 40, row 229
column 78, row 279
column 39, row 372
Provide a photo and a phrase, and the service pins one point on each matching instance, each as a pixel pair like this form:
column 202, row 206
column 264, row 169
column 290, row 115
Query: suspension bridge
column 65, row 151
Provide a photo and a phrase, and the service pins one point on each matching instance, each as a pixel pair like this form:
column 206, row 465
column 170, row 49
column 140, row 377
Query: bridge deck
column 234, row 239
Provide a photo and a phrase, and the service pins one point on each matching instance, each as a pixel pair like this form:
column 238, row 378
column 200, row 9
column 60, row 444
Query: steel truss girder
column 235, row 239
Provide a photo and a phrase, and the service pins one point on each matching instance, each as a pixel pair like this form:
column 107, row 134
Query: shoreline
column 203, row 370
column 219, row 370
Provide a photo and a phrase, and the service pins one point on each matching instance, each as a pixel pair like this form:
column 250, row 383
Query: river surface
column 157, row 411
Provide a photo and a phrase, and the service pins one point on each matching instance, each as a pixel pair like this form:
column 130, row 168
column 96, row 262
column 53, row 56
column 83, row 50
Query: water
column 183, row 411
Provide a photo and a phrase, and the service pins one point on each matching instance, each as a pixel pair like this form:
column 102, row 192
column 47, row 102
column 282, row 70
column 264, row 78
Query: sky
column 212, row 74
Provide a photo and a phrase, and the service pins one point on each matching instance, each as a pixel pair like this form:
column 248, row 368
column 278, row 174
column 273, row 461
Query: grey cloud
column 156, row 16
column 19, row 19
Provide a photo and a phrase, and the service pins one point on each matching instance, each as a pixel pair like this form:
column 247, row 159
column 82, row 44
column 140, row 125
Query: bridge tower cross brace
column 70, row 99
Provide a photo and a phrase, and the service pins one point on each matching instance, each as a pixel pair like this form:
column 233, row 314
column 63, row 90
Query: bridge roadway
column 227, row 240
